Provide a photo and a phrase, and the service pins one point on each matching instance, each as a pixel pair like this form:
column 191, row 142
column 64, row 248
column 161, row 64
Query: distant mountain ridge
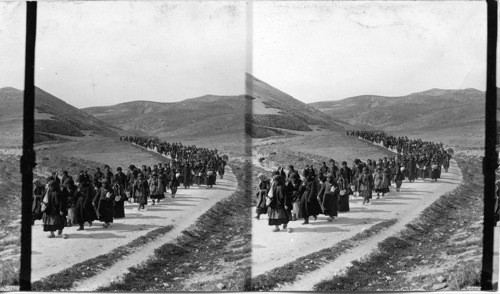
column 434, row 108
column 274, row 112
column 52, row 115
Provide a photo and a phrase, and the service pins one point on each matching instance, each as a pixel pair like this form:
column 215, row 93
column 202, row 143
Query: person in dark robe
column 295, row 189
column 346, row 173
column 279, row 204
column 264, row 186
column 103, row 203
column 84, row 211
column 332, row 169
column 154, row 191
column 434, row 170
column 323, row 170
column 365, row 185
column 446, row 161
column 412, row 169
column 119, row 187
column 186, row 172
column 68, row 190
column 344, row 192
column 55, row 211
column 108, row 174
column 328, row 197
column 210, row 180
column 141, row 191
column 174, row 183
column 309, row 205
column 162, row 184
column 38, row 194
column 222, row 168
column 398, row 179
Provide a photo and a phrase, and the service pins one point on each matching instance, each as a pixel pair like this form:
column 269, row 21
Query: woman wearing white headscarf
column 264, row 187
column 279, row 203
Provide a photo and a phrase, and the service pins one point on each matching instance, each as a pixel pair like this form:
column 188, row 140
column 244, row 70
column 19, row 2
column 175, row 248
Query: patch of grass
column 65, row 279
column 9, row 272
column 311, row 262
column 205, row 248
column 424, row 244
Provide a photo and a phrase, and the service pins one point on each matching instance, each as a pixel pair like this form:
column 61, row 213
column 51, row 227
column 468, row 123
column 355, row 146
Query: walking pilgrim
column 289, row 198
column 63, row 202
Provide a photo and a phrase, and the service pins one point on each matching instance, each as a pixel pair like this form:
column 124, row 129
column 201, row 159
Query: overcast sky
column 103, row 53
column 318, row 51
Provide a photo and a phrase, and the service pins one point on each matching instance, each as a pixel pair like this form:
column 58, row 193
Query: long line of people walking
column 288, row 195
column 62, row 202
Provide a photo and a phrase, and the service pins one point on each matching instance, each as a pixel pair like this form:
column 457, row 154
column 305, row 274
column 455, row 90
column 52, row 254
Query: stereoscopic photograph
column 246, row 146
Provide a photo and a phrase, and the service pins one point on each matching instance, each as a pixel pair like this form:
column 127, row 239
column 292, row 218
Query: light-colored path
column 405, row 206
column 53, row 255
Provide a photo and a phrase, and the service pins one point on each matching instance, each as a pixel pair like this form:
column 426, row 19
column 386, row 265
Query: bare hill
column 274, row 112
column 197, row 116
column 273, row 108
column 52, row 116
column 435, row 108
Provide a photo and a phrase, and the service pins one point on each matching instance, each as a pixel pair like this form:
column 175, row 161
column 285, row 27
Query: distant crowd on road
column 63, row 201
column 291, row 195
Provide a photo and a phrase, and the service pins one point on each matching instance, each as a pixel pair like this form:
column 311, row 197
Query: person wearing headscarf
column 54, row 210
column 187, row 176
column 279, row 204
column 398, row 179
column 174, row 182
column 344, row 192
column 328, row 197
column 38, row 194
column 309, row 205
column 153, row 183
column 434, row 170
column 365, row 185
column 295, row 189
column 68, row 190
column 141, row 191
column 84, row 194
column 264, row 186
column 211, row 176
column 119, row 186
column 103, row 203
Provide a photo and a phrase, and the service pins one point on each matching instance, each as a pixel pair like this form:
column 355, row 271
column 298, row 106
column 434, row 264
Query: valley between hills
column 209, row 240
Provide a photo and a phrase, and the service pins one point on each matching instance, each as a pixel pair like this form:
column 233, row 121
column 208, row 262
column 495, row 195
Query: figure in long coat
column 309, row 205
column 54, row 215
column 38, row 194
column 264, row 186
column 103, row 203
column 365, row 185
column 141, row 191
column 279, row 204
column 328, row 197
column 84, row 212
column 295, row 189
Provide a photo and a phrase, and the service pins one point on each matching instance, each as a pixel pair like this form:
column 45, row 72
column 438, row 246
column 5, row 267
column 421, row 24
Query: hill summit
column 52, row 115
column 431, row 109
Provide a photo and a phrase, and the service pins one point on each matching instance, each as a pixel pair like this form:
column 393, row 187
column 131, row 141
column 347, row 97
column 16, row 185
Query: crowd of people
column 65, row 200
column 291, row 195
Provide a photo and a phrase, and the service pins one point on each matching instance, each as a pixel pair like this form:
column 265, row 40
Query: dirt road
column 53, row 255
column 305, row 239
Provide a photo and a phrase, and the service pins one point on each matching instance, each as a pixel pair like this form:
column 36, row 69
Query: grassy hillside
column 430, row 109
column 52, row 116
column 273, row 112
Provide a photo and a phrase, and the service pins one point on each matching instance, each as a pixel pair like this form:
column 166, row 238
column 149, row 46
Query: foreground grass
column 212, row 254
column 65, row 279
column 311, row 262
column 444, row 242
